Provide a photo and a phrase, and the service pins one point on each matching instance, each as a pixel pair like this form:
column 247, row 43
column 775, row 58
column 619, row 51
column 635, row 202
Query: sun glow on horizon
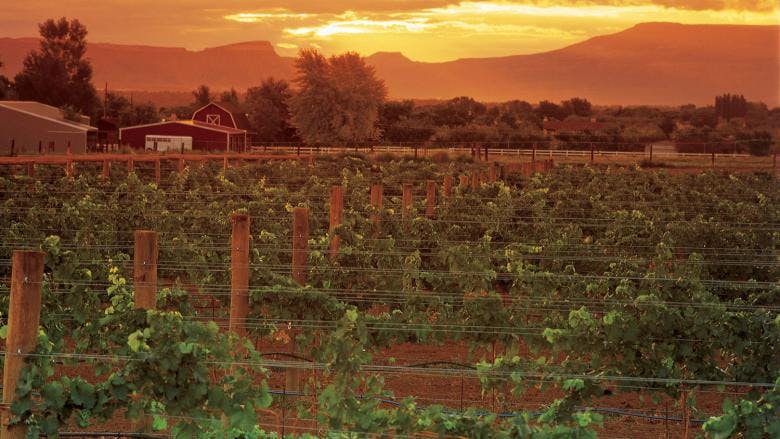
column 498, row 27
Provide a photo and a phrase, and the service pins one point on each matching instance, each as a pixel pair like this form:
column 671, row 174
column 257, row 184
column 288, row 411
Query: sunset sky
column 426, row 30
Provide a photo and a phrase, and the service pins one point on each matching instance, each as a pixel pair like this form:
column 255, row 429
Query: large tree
column 338, row 99
column 202, row 96
column 230, row 97
column 269, row 111
column 5, row 85
column 577, row 106
column 58, row 74
column 126, row 114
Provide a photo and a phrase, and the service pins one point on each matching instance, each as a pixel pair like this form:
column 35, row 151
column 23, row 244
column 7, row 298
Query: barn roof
column 47, row 112
column 195, row 123
column 239, row 115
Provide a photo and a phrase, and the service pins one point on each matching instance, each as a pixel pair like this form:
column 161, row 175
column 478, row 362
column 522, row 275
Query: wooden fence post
column 533, row 153
column 106, row 169
column 225, row 163
column 300, row 244
column 492, row 174
column 447, row 192
column 300, row 256
column 180, row 166
column 130, row 165
column 376, row 204
column 145, row 269
column 474, row 180
column 713, row 159
column 239, row 273
column 23, row 317
column 336, row 209
column 31, row 169
column 430, row 198
column 592, row 156
column 406, row 200
column 463, row 181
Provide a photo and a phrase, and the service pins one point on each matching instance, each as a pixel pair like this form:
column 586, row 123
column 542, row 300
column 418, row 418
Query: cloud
column 275, row 14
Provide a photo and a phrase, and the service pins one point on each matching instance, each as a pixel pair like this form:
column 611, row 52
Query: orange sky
column 427, row 30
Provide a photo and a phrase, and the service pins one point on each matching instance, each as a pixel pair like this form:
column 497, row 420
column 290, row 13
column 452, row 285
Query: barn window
column 213, row 119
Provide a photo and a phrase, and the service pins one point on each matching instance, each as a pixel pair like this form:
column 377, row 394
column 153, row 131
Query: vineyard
column 392, row 297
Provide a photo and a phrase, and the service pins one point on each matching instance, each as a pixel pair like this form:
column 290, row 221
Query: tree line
column 340, row 100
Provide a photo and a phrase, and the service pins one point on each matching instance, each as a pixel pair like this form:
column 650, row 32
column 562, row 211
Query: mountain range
column 650, row 63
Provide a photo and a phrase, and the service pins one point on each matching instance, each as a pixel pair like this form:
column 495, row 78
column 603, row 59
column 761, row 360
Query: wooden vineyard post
column 300, row 244
column 69, row 168
column 31, row 169
column 592, row 156
column 430, row 198
column 447, row 187
column 713, row 159
column 145, row 269
column 300, row 257
column 239, row 273
column 336, row 209
column 225, row 164
column 144, row 286
column 463, row 181
column 130, row 165
column 180, row 166
column 157, row 172
column 492, row 174
column 486, row 152
column 376, row 204
column 406, row 200
column 475, row 180
column 651, row 153
column 23, row 318
column 533, row 153
column 106, row 169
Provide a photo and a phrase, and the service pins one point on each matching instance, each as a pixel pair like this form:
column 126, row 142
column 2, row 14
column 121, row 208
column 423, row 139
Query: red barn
column 224, row 115
column 205, row 136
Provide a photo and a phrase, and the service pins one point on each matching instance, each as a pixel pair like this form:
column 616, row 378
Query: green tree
column 577, row 106
column 119, row 109
column 58, row 74
column 230, row 97
column 729, row 106
column 755, row 142
column 5, row 85
column 269, row 110
column 550, row 110
column 202, row 95
column 338, row 99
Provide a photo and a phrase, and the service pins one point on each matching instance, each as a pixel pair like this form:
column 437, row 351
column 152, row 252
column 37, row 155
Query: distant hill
column 650, row 63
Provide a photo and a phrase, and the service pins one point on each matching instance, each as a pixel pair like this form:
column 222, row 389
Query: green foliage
column 748, row 418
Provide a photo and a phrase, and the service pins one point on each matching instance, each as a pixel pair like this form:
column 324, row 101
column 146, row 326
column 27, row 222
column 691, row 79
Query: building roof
column 47, row 112
column 572, row 125
column 195, row 123
column 239, row 116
